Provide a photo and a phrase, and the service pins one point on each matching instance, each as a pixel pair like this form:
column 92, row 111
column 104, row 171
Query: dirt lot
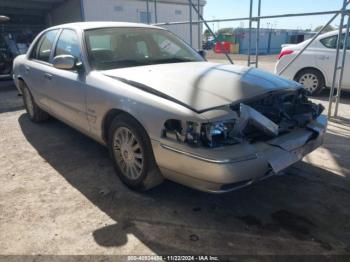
column 59, row 195
column 266, row 62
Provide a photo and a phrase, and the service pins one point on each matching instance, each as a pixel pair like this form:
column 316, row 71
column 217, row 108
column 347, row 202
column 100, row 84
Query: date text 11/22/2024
column 173, row 258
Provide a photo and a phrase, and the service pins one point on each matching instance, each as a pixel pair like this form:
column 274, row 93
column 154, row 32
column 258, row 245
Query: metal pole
column 308, row 44
column 258, row 36
column 211, row 31
column 82, row 10
column 199, row 26
column 342, row 68
column 250, row 30
column 254, row 17
column 147, row 7
column 335, row 72
column 191, row 33
column 155, row 12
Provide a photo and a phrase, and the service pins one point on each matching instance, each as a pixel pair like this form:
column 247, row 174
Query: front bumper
column 228, row 168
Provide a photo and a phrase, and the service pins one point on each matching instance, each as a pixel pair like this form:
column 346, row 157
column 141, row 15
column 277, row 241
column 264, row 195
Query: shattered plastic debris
column 250, row 115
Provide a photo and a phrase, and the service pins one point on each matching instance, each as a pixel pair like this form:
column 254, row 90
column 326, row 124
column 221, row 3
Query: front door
column 68, row 91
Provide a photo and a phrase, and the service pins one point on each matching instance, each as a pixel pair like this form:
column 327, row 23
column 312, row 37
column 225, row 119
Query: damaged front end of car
column 259, row 119
column 273, row 131
column 274, row 114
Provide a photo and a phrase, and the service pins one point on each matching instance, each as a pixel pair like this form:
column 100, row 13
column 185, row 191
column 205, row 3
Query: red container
column 222, row 47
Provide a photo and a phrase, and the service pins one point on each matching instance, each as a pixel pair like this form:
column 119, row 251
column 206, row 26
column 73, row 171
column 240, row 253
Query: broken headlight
column 186, row 132
column 209, row 134
column 218, row 133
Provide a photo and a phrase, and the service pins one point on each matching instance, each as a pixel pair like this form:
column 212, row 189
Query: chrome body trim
column 216, row 161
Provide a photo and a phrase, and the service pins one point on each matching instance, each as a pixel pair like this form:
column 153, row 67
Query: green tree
column 327, row 29
column 206, row 33
column 226, row 30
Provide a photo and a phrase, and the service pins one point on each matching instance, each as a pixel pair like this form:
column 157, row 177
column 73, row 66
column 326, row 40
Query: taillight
column 285, row 52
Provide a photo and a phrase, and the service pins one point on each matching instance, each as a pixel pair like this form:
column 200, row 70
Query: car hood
column 201, row 85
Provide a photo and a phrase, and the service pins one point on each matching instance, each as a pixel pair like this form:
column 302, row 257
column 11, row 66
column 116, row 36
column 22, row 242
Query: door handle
column 27, row 69
column 48, row 76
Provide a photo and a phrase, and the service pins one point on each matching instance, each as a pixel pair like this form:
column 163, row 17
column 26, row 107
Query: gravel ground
column 266, row 62
column 59, row 195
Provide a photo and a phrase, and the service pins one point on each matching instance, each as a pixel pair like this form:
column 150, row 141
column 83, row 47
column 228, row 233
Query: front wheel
column 132, row 154
column 312, row 80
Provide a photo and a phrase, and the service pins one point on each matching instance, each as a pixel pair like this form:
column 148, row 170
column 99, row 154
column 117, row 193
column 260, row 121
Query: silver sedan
column 162, row 110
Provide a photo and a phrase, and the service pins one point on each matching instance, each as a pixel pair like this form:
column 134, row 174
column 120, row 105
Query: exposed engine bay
column 285, row 110
column 260, row 119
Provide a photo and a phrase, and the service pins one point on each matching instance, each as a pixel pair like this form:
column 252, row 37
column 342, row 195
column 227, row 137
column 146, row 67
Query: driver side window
column 68, row 44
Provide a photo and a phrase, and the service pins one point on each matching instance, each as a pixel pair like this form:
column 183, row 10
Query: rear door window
column 330, row 42
column 43, row 48
column 347, row 42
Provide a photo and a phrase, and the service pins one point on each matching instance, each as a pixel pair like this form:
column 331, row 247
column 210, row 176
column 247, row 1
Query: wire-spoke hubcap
column 128, row 153
column 29, row 102
column 310, row 82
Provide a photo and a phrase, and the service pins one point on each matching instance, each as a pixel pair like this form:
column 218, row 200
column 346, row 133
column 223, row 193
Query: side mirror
column 202, row 53
column 65, row 62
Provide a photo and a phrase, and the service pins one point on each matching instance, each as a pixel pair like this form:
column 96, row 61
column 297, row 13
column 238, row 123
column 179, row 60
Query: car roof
column 331, row 33
column 101, row 24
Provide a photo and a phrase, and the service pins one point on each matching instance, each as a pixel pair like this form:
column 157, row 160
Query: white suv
column 315, row 66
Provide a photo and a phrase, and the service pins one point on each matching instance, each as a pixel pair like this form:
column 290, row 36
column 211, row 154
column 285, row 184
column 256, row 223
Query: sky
column 220, row 9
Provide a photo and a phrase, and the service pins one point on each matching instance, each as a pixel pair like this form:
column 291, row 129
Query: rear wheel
column 34, row 112
column 312, row 80
column 132, row 154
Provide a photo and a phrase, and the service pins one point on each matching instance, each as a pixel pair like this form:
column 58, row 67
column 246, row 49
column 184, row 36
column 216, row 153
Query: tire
column 35, row 114
column 131, row 151
column 312, row 79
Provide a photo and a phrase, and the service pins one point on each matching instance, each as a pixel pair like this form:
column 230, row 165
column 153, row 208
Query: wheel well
column 108, row 119
column 21, row 83
column 309, row 68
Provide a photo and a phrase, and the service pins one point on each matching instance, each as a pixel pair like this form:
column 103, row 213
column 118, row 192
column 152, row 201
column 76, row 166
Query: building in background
column 136, row 11
column 33, row 16
column 236, row 40
column 270, row 40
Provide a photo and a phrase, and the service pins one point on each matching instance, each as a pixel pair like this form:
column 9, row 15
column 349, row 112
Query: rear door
column 36, row 71
column 326, row 59
column 68, row 90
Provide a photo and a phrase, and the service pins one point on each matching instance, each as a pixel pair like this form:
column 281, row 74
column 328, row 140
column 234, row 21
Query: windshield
column 110, row 48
